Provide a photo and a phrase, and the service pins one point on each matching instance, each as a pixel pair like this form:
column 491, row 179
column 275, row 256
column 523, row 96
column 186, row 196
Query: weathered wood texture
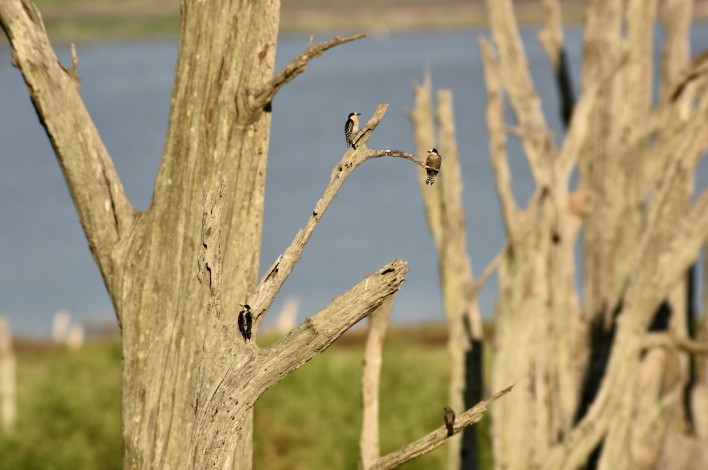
column 226, row 52
column 641, row 233
column 234, row 372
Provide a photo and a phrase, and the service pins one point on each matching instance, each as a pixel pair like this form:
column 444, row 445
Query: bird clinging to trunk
column 351, row 128
column 433, row 163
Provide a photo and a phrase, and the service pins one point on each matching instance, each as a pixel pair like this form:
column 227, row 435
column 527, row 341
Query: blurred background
column 127, row 51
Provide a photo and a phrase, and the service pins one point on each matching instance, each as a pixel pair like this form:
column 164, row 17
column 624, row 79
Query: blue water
column 45, row 264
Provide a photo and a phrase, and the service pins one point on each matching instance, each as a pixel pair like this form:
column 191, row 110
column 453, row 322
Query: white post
column 75, row 337
column 288, row 316
column 60, row 326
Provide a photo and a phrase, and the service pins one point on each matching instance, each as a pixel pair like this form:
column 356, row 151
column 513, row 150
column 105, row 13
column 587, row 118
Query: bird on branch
column 351, row 128
column 449, row 416
column 433, row 163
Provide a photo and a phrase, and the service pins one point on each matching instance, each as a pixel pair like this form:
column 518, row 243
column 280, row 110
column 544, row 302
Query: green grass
column 68, row 410
column 83, row 20
column 69, row 407
column 312, row 419
column 86, row 29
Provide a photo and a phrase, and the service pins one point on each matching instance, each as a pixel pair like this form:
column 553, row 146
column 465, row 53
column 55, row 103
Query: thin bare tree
column 8, row 398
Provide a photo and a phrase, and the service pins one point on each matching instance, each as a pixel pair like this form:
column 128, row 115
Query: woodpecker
column 449, row 416
column 351, row 128
column 245, row 322
column 433, row 163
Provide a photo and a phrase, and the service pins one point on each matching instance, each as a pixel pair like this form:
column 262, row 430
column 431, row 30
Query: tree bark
column 233, row 371
column 226, row 50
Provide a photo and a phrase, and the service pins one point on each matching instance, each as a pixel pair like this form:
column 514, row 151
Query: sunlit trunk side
column 226, row 49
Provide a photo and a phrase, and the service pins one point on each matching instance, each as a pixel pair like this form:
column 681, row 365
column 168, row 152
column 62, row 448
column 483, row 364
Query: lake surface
column 45, row 264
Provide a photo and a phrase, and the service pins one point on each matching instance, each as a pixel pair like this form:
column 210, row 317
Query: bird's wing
column 433, row 161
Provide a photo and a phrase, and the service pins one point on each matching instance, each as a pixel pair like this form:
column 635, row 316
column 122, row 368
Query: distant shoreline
column 80, row 21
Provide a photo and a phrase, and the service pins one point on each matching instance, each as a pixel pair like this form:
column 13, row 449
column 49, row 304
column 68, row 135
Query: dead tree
column 641, row 234
column 445, row 215
column 607, row 382
column 192, row 369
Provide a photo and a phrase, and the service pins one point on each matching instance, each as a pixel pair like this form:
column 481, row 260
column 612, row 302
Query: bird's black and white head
column 433, row 150
column 354, row 116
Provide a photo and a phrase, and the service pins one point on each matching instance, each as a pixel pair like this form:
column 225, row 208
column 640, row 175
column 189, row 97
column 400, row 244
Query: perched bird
column 433, row 163
column 245, row 322
column 351, row 128
column 449, row 416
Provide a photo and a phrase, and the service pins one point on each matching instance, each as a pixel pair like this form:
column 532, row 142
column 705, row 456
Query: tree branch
column 319, row 331
column 261, row 299
column 681, row 154
column 670, row 341
column 684, row 244
column 551, row 37
column 497, row 139
column 233, row 378
column 437, row 437
column 513, row 67
column 489, row 270
column 103, row 207
column 298, row 65
column 397, row 154
column 697, row 70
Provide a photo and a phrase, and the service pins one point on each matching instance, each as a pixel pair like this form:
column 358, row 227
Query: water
column 378, row 215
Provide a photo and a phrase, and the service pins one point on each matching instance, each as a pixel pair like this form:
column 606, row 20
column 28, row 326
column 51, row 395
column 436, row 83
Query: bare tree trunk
column 8, row 404
column 370, row 378
column 445, row 216
column 190, row 378
column 226, row 50
column 699, row 394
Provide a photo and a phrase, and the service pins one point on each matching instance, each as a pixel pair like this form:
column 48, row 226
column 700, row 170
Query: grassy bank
column 69, row 406
column 85, row 20
column 82, row 20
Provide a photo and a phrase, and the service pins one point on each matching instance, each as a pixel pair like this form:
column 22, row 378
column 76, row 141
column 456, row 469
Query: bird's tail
column 430, row 179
